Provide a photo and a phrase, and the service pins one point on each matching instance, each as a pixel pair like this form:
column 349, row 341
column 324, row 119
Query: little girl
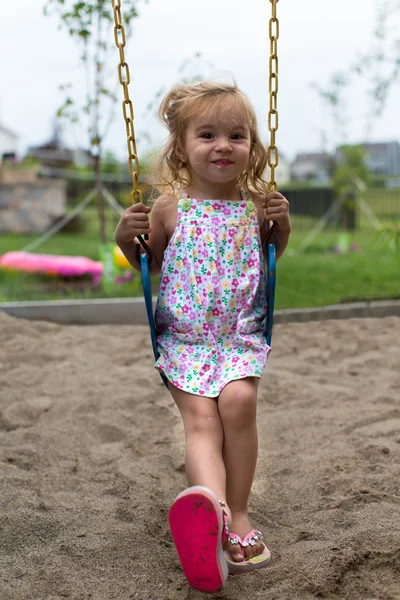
column 207, row 232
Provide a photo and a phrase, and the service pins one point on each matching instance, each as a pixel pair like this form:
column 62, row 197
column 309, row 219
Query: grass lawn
column 316, row 277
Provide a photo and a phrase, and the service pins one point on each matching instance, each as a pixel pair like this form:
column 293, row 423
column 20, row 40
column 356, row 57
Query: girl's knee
column 201, row 419
column 203, row 422
column 238, row 406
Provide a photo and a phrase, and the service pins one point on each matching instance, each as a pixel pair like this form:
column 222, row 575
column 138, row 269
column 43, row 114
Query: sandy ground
column 91, row 457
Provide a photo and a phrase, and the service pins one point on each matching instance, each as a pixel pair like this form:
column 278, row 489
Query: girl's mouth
column 223, row 162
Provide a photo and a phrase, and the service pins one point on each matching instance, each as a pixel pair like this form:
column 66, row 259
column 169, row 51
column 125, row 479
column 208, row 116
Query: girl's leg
column 237, row 405
column 204, row 441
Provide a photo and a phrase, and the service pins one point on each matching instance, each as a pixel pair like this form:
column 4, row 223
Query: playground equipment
column 52, row 265
column 65, row 266
column 134, row 168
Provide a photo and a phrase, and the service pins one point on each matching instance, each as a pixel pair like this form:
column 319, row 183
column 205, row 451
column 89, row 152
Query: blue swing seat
column 271, row 285
column 148, row 299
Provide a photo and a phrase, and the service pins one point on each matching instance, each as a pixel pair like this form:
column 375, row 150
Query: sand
column 91, row 455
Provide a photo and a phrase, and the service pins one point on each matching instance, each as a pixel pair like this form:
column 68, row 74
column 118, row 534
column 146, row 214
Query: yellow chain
column 127, row 106
column 273, row 154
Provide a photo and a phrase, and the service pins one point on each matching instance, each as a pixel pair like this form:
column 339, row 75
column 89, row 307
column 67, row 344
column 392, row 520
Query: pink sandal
column 248, row 564
column 199, row 529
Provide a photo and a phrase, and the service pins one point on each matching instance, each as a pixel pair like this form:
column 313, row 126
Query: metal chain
column 127, row 106
column 273, row 122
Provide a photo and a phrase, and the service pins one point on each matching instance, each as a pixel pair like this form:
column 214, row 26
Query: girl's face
column 217, row 146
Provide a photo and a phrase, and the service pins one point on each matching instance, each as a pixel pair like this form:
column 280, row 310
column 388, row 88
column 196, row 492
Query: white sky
column 317, row 37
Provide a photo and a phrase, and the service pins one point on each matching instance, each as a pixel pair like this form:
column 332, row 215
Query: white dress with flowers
column 212, row 298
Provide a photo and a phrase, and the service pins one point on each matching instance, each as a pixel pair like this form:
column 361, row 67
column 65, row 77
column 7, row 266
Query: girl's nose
column 223, row 144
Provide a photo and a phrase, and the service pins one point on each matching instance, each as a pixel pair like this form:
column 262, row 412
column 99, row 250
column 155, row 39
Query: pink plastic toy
column 53, row 265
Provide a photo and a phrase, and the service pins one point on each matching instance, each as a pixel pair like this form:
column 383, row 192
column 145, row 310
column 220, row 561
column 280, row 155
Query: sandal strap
column 225, row 531
column 252, row 538
column 249, row 540
column 234, row 538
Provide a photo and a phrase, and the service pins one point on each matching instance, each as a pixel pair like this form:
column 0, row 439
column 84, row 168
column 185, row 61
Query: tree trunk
column 100, row 200
column 349, row 213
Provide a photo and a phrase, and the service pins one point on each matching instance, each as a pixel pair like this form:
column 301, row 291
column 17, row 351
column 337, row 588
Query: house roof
column 312, row 157
column 380, row 145
column 9, row 132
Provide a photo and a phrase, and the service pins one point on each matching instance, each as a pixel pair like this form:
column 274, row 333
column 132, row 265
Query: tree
column 90, row 23
column 349, row 178
column 378, row 68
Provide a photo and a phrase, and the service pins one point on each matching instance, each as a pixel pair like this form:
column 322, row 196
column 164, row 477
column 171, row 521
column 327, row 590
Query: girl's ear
column 181, row 154
column 182, row 157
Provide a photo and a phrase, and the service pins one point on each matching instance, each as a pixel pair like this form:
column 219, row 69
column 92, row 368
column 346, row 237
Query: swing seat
column 148, row 299
column 271, row 286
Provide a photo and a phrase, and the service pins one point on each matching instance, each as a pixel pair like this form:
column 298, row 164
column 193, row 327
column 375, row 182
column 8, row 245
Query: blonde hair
column 179, row 106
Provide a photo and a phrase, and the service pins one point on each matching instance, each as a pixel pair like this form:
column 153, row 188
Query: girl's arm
column 276, row 210
column 134, row 222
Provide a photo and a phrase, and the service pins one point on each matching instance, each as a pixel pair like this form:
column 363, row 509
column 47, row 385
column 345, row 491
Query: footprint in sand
column 24, row 458
column 110, row 434
column 386, row 425
column 27, row 412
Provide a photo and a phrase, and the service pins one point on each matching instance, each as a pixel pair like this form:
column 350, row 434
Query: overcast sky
column 316, row 38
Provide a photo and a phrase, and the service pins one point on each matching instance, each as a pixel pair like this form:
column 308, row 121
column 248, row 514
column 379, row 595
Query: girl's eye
column 237, row 136
column 206, row 135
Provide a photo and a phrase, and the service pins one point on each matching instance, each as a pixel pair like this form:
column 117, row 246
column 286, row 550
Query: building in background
column 383, row 158
column 8, row 144
column 54, row 154
column 282, row 171
column 314, row 167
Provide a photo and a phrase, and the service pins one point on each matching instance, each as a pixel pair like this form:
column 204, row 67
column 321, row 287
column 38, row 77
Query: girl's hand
column 134, row 222
column 276, row 208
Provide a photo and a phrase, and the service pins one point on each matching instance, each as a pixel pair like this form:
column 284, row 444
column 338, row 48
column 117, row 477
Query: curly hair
column 179, row 106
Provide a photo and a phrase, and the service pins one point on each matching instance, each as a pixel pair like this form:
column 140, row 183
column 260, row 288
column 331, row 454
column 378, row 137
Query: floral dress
column 212, row 298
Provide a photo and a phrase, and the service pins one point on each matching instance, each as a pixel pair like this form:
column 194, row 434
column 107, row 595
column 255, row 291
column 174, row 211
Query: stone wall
column 31, row 206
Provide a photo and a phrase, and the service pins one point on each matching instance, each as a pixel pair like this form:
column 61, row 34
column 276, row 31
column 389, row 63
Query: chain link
column 273, row 120
column 127, row 106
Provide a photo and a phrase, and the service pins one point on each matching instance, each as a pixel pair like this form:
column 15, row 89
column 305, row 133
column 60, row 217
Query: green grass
column 375, row 197
column 316, row 277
